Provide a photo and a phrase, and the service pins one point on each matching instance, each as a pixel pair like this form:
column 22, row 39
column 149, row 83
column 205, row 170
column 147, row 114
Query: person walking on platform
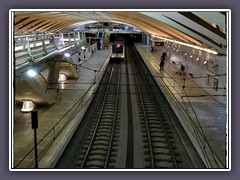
column 152, row 48
column 163, row 57
column 182, row 69
column 161, row 65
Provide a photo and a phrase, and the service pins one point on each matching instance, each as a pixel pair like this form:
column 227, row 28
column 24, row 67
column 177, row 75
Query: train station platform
column 202, row 115
column 55, row 125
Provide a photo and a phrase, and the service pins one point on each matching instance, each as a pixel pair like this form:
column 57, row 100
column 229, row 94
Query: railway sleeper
column 114, row 149
column 159, row 139
column 116, row 135
column 163, row 157
column 107, row 117
column 157, row 151
column 85, row 147
column 106, row 131
column 147, row 159
column 90, row 133
column 113, row 154
column 78, row 164
column 160, row 145
column 100, row 147
column 145, row 140
column 81, row 157
column 117, row 128
column 112, row 161
column 164, row 165
column 143, row 126
column 158, row 131
column 158, row 134
column 148, row 166
column 147, row 152
column 155, row 128
column 155, row 137
column 115, row 139
column 98, row 152
column 117, row 131
column 105, row 127
column 96, row 157
column 111, row 166
column 154, row 122
column 106, row 121
column 103, row 134
column 102, row 138
column 151, row 111
column 156, row 119
column 144, row 134
column 115, row 144
column 94, row 164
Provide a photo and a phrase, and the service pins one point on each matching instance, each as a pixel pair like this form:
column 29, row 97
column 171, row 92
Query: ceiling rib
column 199, row 28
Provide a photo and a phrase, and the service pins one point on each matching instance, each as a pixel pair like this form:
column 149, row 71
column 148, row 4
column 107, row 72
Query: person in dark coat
column 163, row 57
column 182, row 69
column 161, row 65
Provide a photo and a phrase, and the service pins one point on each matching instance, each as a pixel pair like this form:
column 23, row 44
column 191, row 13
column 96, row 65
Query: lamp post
column 34, row 127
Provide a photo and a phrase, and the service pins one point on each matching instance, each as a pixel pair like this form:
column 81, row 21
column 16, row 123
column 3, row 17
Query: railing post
column 29, row 49
column 34, row 127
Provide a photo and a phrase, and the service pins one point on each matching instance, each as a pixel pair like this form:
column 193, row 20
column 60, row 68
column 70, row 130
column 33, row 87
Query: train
column 118, row 51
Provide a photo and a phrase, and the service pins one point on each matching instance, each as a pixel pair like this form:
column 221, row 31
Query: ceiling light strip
column 186, row 44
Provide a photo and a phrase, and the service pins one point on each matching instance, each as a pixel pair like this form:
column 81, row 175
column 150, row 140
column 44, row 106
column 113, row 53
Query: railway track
column 159, row 148
column 128, row 124
column 98, row 150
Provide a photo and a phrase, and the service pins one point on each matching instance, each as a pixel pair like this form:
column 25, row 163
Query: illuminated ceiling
column 201, row 28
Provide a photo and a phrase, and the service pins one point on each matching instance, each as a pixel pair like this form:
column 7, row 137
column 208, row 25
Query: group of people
column 163, row 57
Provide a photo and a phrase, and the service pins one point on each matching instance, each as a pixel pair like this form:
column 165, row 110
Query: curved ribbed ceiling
column 199, row 27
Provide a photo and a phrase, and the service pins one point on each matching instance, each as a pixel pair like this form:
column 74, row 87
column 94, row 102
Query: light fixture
column 19, row 48
column 62, row 77
column 186, row 54
column 38, row 44
column 28, row 106
column 83, row 48
column 67, row 55
column 191, row 56
column 197, row 59
column 186, row 44
column 31, row 73
column 205, row 62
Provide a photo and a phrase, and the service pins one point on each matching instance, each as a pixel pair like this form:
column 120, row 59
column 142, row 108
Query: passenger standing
column 163, row 56
column 182, row 69
column 152, row 49
column 161, row 65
